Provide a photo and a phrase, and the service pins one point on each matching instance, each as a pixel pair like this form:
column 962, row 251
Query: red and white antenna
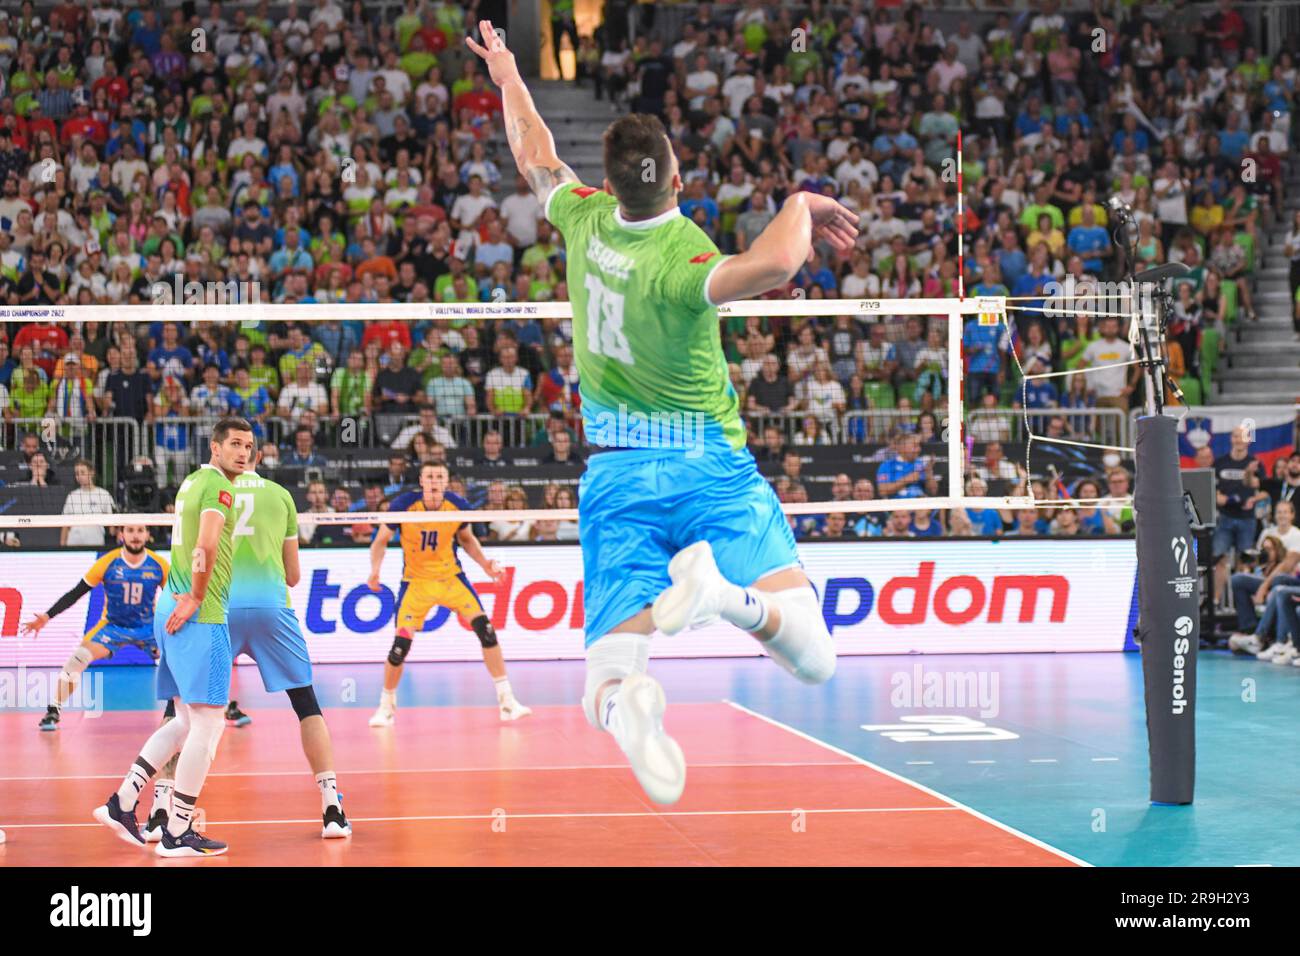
column 961, row 226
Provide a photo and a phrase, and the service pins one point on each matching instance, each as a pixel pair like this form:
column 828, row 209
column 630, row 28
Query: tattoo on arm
column 516, row 129
column 543, row 179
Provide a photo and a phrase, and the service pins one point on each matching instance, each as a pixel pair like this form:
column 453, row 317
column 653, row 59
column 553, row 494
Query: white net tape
column 163, row 519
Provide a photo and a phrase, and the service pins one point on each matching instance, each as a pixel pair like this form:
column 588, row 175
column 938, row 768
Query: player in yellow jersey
column 432, row 577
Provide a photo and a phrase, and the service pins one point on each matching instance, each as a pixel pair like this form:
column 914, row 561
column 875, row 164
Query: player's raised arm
column 783, row 247
column 530, row 140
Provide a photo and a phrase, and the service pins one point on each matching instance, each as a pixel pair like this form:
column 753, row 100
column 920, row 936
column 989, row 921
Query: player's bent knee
column 487, row 635
column 76, row 666
column 303, row 700
column 401, row 647
column 613, row 657
column 803, row 645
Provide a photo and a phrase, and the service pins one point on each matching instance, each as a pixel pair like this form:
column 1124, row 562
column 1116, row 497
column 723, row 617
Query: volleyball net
column 938, row 403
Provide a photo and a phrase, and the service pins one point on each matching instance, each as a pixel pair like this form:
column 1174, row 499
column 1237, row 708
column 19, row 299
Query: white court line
column 912, row 783
column 784, row 811
column 361, row 773
column 1105, row 760
column 981, row 761
column 1044, row 760
column 920, row 763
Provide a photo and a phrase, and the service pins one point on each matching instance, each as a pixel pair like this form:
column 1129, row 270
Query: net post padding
column 1169, row 626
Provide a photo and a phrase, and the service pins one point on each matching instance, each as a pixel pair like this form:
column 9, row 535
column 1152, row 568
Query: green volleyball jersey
column 646, row 339
column 207, row 489
column 265, row 516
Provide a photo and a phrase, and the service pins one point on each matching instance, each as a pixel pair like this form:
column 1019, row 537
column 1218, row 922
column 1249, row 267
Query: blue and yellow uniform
column 431, row 571
column 129, row 594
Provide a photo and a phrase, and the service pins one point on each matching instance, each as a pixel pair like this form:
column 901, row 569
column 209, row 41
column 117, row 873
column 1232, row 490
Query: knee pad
column 802, row 645
column 401, row 647
column 613, row 657
column 81, row 659
column 483, row 629
column 303, row 700
column 209, row 723
column 168, row 739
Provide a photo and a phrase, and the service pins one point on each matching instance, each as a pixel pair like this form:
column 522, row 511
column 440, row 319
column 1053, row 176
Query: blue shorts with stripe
column 639, row 507
column 114, row 637
column 273, row 638
column 194, row 663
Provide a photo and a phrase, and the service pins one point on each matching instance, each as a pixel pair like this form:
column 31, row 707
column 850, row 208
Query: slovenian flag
column 1273, row 434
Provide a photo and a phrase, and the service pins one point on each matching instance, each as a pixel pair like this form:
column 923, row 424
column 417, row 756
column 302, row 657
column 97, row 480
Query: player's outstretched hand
column 833, row 222
column 186, row 605
column 372, row 582
column 495, row 571
column 494, row 52
column 34, row 626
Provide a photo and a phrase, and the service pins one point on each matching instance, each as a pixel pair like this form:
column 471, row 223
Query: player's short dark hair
column 227, row 425
column 629, row 142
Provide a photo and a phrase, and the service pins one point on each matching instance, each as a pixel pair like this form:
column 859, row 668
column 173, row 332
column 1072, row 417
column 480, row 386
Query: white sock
column 608, row 714
column 744, row 607
column 182, row 814
column 610, row 661
column 504, row 693
column 128, row 794
column 162, row 795
column 388, row 699
column 329, row 790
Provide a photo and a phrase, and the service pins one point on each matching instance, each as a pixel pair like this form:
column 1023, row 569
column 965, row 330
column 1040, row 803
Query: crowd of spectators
column 1256, row 549
column 312, row 153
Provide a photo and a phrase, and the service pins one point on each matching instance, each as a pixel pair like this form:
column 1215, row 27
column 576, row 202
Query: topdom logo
column 914, row 599
column 542, row 605
column 539, row 606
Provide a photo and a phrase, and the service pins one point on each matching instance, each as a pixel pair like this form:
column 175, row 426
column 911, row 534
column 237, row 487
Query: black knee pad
column 401, row 647
column 483, row 628
column 304, row 702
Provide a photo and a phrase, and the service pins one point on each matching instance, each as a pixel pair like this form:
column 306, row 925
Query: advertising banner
column 878, row 597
